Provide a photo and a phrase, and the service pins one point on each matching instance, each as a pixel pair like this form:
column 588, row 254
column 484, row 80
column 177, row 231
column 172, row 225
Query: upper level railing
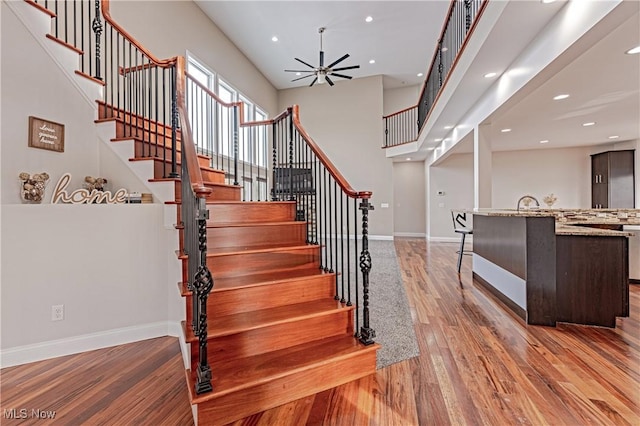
column 168, row 114
column 459, row 23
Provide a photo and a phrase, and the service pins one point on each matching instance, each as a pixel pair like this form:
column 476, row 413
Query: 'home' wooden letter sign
column 84, row 196
column 46, row 134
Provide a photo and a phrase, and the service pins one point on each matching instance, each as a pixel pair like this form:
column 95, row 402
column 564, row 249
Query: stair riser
column 162, row 169
column 275, row 337
column 254, row 236
column 248, row 299
column 218, row 193
column 248, row 263
column 146, row 149
column 137, row 121
column 264, row 396
column 250, row 212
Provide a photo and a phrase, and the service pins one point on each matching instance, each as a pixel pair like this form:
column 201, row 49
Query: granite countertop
column 568, row 221
column 564, row 229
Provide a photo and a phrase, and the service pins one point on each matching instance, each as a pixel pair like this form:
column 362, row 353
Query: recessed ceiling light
column 448, row 127
column 614, row 137
column 444, row 48
column 633, row 51
column 368, row 19
column 590, row 123
column 274, row 38
column 372, row 61
column 490, row 74
column 408, row 158
column 544, row 141
column 505, row 130
column 547, row 1
column 560, row 97
column 298, row 73
column 419, row 74
column 437, row 140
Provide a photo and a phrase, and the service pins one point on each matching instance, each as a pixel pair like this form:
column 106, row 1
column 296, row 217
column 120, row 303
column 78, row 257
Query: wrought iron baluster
column 96, row 26
column 366, row 332
column 174, row 123
column 203, row 284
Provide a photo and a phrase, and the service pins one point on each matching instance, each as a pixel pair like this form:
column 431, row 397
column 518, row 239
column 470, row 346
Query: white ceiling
column 603, row 82
column 401, row 38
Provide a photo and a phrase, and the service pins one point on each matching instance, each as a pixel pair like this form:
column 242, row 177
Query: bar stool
column 462, row 227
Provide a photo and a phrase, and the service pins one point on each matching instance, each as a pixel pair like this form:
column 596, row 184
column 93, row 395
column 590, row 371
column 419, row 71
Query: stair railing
column 329, row 205
column 401, row 127
column 143, row 91
column 458, row 26
column 236, row 146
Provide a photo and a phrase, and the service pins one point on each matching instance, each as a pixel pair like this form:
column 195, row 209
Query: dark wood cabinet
column 613, row 180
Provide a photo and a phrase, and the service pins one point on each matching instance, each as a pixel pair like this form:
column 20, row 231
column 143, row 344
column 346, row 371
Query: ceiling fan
column 323, row 72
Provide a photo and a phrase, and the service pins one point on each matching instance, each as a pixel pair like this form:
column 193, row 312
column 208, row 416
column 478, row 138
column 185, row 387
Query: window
column 213, row 127
column 201, row 110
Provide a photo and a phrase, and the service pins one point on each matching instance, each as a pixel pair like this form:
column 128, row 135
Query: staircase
column 267, row 286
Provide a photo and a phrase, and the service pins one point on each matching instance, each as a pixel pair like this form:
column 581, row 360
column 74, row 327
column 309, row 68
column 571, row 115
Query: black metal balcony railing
column 459, row 22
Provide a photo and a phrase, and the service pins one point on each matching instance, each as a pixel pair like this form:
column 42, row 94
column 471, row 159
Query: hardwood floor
column 479, row 365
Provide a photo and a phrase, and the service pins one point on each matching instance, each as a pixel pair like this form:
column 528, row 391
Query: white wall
column 400, row 98
column 346, row 122
column 454, row 177
column 409, row 213
column 564, row 172
column 109, row 265
column 170, row 28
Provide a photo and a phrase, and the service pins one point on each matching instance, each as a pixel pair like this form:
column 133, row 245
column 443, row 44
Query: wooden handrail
column 400, row 112
column 106, row 13
column 188, row 147
column 295, row 115
column 296, row 121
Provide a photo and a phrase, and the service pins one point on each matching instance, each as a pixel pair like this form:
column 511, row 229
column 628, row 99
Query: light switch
column 384, row 205
column 441, row 205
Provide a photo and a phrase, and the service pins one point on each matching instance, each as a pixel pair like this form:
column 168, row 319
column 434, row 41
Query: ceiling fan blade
column 299, row 70
column 313, row 82
column 300, row 78
column 353, row 67
column 321, row 59
column 341, row 75
column 338, row 61
column 301, row 61
column 331, row 83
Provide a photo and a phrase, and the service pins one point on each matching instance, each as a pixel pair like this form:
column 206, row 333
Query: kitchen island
column 552, row 266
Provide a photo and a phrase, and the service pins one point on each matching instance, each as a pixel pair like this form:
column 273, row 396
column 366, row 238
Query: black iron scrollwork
column 203, row 284
column 96, row 26
column 366, row 332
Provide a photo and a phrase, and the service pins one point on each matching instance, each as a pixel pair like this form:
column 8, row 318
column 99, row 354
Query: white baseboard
column 380, row 237
column 409, row 234
column 87, row 342
column 469, row 239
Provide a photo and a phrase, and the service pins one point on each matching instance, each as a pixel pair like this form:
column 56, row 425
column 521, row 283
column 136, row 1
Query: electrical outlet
column 57, row 312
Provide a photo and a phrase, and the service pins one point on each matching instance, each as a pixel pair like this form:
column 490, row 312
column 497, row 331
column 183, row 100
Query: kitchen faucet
column 525, row 197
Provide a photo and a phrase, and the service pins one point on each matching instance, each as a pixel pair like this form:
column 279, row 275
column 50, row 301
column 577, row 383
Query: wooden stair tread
column 168, row 160
column 259, row 279
column 242, row 373
column 228, row 251
column 249, row 224
column 244, row 321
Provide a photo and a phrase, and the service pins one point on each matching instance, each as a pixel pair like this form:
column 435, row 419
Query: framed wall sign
column 45, row 134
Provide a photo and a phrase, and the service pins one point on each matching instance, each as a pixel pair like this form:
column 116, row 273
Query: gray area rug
column 389, row 311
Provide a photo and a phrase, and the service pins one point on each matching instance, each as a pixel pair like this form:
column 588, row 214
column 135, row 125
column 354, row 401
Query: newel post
column 366, row 332
column 203, row 283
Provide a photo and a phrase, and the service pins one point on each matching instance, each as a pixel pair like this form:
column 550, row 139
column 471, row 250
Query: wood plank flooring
column 479, row 365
